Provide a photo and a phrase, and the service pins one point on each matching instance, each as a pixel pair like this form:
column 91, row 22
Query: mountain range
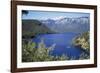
column 31, row 27
column 62, row 25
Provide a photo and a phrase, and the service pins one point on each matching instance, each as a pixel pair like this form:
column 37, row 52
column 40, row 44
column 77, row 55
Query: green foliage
column 83, row 41
column 42, row 53
column 31, row 54
column 63, row 57
column 84, row 56
column 27, row 50
column 33, row 27
column 25, row 12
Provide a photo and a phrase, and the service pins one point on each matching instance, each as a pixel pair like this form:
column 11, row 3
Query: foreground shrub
column 32, row 52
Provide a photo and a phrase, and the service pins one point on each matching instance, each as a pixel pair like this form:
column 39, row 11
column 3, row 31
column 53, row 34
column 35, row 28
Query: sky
column 43, row 15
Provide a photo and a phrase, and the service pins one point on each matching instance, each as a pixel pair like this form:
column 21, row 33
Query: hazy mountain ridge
column 80, row 24
column 32, row 27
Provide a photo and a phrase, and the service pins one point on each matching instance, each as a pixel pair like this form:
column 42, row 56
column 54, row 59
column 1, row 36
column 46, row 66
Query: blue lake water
column 63, row 44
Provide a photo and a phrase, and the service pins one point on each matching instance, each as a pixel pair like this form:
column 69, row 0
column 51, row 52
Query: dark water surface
column 63, row 44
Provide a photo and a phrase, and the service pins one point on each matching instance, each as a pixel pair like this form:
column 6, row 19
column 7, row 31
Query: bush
column 83, row 41
column 42, row 53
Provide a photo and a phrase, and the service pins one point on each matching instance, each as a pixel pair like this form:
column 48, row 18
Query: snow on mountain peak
column 58, row 18
column 64, row 24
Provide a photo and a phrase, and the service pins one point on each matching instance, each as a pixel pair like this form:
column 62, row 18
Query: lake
column 63, row 44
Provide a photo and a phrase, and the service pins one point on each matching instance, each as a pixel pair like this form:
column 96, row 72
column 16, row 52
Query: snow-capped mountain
column 64, row 24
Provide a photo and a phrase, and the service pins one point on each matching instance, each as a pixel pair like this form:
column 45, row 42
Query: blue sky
column 41, row 15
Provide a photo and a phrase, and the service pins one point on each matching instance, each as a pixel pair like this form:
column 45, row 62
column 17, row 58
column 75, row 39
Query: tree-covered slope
column 83, row 41
column 32, row 27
